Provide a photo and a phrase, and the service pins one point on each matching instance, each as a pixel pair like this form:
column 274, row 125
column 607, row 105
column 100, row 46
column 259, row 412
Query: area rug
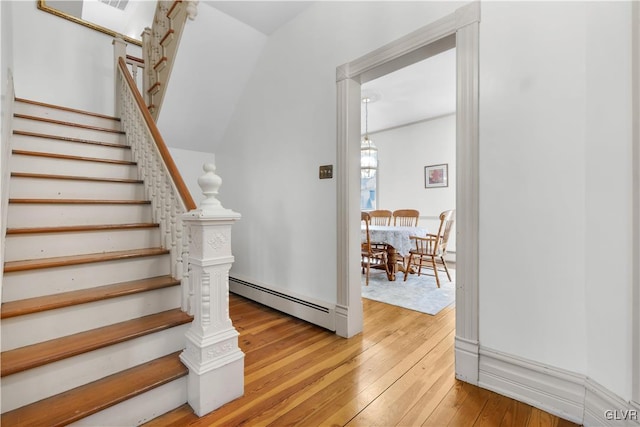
column 417, row 293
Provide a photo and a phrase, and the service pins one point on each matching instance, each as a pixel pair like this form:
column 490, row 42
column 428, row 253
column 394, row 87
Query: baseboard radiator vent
column 321, row 314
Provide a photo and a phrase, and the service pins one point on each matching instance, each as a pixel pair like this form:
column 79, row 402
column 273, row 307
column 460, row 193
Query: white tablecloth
column 398, row 237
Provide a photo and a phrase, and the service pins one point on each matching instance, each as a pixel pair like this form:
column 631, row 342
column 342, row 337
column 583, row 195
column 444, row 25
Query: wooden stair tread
column 83, row 296
column 71, row 124
column 31, row 356
column 73, row 110
column 70, row 139
column 69, row 157
column 75, row 178
column 79, row 228
column 33, row 264
column 83, row 401
column 78, row 202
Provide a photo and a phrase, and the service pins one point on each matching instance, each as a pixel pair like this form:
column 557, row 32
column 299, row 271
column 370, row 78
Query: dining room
column 408, row 162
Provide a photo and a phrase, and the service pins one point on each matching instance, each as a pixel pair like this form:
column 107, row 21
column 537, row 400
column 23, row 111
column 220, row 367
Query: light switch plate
column 326, row 171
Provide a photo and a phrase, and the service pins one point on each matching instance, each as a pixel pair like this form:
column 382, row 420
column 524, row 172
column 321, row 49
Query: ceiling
column 417, row 92
column 264, row 16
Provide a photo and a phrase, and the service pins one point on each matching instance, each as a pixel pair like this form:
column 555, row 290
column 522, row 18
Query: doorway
column 459, row 30
column 408, row 121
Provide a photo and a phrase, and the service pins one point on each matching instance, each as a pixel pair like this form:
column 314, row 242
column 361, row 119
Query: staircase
column 91, row 320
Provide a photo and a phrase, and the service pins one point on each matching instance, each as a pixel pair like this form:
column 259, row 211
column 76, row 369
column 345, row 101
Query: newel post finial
column 192, row 9
column 210, row 184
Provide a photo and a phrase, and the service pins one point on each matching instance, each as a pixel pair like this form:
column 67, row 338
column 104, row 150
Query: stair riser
column 141, row 409
column 46, row 165
column 45, row 188
column 42, row 215
column 65, row 116
column 45, row 381
column 37, row 126
column 48, row 281
column 46, row 145
column 45, row 245
column 30, row 329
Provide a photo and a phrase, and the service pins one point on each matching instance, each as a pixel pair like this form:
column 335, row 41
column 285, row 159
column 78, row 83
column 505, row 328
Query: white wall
column 608, row 195
column 57, row 61
column 216, row 57
column 189, row 163
column 554, row 235
column 403, row 153
column 284, row 127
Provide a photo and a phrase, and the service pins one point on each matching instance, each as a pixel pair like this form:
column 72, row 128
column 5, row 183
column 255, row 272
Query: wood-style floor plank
column 399, row 371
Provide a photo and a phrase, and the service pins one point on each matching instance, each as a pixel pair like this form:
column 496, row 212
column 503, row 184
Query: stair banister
column 164, row 186
column 159, row 47
column 200, row 243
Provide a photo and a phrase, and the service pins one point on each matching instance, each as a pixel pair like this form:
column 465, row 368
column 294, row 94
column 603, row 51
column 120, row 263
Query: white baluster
column 187, row 286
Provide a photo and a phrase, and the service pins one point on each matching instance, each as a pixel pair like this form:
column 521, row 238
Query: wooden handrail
column 138, row 61
column 155, row 133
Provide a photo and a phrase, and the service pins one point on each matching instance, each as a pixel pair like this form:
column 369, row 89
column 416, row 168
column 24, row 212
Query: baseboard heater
column 312, row 312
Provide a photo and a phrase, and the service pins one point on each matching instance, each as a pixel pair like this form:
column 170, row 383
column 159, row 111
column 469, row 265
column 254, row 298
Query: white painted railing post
column 215, row 362
column 119, row 50
column 146, row 56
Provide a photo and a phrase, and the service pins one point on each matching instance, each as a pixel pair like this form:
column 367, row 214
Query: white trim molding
column 604, row 408
column 467, row 360
column 551, row 389
column 461, row 30
column 467, row 199
column 565, row 394
column 635, row 355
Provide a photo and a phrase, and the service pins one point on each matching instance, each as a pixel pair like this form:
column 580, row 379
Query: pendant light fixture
column 368, row 151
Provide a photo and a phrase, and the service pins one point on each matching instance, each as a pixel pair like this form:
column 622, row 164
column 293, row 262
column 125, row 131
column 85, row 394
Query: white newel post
column 119, row 50
column 148, row 64
column 215, row 362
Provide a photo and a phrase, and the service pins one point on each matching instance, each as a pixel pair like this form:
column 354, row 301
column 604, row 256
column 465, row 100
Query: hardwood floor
column 399, row 371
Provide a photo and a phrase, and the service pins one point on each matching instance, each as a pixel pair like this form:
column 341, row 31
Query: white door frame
column 463, row 25
column 635, row 355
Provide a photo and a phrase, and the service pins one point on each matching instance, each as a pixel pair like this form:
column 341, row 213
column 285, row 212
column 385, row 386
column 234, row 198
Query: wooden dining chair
column 370, row 252
column 406, row 217
column 380, row 217
column 430, row 251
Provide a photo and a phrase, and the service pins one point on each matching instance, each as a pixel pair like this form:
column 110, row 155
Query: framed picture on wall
column 436, row 176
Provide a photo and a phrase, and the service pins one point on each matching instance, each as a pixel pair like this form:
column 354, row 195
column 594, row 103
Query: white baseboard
column 568, row 395
column 317, row 312
column 604, row 408
column 553, row 390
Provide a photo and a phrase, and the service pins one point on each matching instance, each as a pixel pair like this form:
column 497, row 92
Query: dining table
column 397, row 241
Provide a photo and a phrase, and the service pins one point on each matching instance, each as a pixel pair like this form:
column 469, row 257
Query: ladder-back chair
column 380, row 217
column 370, row 252
column 406, row 217
column 430, row 251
